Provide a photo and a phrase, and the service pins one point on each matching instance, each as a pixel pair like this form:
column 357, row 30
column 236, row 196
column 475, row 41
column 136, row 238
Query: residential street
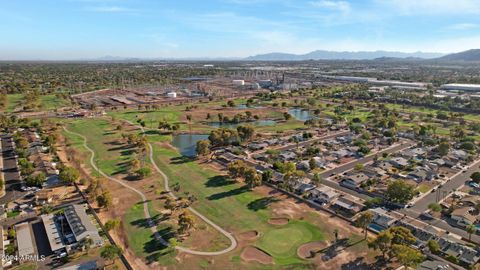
column 10, row 171
column 349, row 166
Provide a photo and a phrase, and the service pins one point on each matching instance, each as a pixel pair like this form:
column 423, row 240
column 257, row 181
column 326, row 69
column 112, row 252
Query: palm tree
column 189, row 118
column 364, row 220
column 471, row 229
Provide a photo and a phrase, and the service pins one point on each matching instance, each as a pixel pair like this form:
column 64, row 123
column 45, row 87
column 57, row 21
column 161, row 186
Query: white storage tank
column 238, row 82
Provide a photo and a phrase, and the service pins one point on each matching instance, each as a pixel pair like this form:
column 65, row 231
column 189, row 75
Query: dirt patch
column 249, row 235
column 253, row 254
column 305, row 250
column 278, row 221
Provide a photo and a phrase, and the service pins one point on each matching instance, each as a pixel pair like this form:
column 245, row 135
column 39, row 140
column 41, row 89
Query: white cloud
column 341, row 6
column 110, row 9
column 433, row 7
column 463, row 26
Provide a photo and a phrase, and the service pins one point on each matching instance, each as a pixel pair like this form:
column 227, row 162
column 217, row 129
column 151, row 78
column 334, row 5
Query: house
column 43, row 196
column 348, row 204
column 458, row 154
column 414, row 153
column 354, row 180
column 382, row 218
column 319, row 162
column 271, row 141
column 344, row 139
column 386, row 166
column 257, row 146
column 261, row 157
column 463, row 217
column 421, row 174
column 288, row 155
column 227, row 158
column 434, row 265
column 323, row 194
column 399, row 162
column 471, row 201
column 464, row 254
column 342, row 153
column 303, row 165
column 301, row 186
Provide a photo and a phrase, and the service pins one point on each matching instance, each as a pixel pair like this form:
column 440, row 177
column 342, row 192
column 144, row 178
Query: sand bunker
column 250, row 235
column 304, row 251
column 278, row 221
column 253, row 254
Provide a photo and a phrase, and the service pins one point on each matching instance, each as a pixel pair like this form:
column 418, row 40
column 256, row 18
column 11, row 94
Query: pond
column 300, row 114
column 257, row 123
column 187, row 143
column 244, row 106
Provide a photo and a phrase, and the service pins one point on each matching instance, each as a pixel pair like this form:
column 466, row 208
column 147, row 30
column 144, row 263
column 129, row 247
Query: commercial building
column 24, row 239
column 375, row 81
column 81, row 224
column 461, row 87
column 53, row 235
column 71, row 228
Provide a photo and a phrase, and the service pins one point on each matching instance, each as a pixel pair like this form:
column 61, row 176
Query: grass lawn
column 151, row 118
column 141, row 239
column 50, row 102
column 219, row 197
column 423, row 188
column 282, row 243
column 291, row 124
column 47, row 102
column 13, row 100
column 13, row 213
column 26, row 266
column 112, row 158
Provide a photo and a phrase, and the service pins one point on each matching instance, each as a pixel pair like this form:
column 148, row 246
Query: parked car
column 473, row 184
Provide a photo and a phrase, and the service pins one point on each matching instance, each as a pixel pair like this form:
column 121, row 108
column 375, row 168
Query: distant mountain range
column 333, row 55
column 466, row 56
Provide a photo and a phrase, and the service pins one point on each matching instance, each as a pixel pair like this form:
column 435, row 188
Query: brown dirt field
column 249, row 235
column 278, row 221
column 253, row 254
column 304, row 250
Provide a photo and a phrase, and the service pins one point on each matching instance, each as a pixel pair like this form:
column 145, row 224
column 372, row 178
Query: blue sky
column 72, row 29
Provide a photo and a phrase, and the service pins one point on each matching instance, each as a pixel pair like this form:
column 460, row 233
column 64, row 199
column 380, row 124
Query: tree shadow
column 219, row 181
column 229, row 193
column 358, row 264
column 157, row 255
column 180, row 160
column 144, row 222
column 261, row 203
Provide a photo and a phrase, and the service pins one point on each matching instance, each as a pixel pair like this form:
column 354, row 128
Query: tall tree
column 363, row 220
column 407, row 256
column 110, row 252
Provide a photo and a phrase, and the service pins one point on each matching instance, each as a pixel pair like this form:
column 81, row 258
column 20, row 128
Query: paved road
column 11, row 172
column 454, row 183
